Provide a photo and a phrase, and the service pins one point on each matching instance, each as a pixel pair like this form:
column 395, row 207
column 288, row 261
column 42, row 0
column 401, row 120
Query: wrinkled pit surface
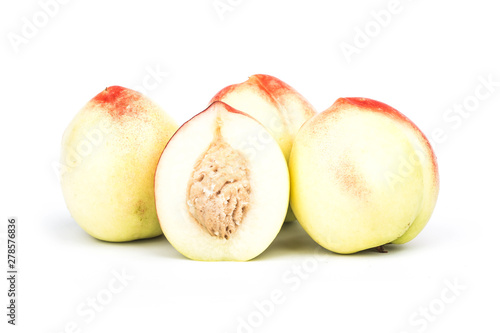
column 218, row 192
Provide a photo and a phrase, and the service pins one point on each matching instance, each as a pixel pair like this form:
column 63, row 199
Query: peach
column 220, row 194
column 110, row 151
column 362, row 175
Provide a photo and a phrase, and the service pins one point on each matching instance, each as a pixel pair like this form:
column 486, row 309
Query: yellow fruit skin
column 109, row 156
column 359, row 178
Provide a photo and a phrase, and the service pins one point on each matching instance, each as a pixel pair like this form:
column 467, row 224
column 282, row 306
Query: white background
column 428, row 58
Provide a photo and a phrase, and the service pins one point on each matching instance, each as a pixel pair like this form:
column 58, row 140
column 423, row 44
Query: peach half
column 275, row 104
column 362, row 175
column 109, row 156
column 221, row 194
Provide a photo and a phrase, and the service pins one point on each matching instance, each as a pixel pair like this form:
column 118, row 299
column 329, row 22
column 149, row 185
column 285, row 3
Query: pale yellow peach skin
column 109, row 155
column 362, row 175
column 275, row 104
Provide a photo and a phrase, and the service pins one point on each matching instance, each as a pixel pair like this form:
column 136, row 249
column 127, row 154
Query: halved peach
column 220, row 193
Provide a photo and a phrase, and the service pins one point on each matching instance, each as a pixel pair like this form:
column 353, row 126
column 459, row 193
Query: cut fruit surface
column 221, row 186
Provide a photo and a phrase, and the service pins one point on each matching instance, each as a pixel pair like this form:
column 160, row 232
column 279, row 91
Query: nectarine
column 362, row 175
column 110, row 150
